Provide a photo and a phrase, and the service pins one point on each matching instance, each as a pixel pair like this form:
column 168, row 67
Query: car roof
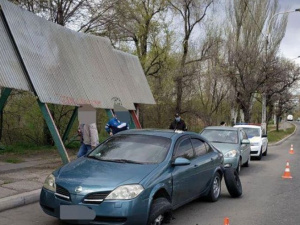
column 158, row 132
column 220, row 128
column 249, row 126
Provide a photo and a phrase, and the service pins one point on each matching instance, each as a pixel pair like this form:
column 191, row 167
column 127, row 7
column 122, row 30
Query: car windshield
column 252, row 132
column 140, row 149
column 221, row 136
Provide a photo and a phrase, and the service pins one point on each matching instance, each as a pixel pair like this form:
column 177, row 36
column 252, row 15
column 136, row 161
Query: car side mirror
column 245, row 142
column 180, row 161
column 264, row 135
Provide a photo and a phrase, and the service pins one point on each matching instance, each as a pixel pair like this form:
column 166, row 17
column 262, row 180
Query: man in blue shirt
column 114, row 126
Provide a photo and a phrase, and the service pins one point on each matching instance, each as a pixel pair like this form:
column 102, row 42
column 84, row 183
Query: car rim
column 216, row 187
column 158, row 220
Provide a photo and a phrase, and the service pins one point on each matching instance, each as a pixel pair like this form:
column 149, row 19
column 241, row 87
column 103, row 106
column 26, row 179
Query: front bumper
column 231, row 162
column 117, row 212
column 255, row 150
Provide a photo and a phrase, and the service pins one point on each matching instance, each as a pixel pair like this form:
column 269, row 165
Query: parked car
column 136, row 177
column 232, row 142
column 258, row 140
column 290, row 118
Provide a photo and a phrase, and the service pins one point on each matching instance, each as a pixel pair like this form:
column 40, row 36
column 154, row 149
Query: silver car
column 232, row 142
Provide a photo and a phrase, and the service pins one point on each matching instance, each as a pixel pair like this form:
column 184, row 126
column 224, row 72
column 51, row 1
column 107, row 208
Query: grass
column 274, row 136
column 25, row 149
column 15, row 160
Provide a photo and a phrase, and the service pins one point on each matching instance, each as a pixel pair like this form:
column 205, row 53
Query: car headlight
column 126, row 192
column 230, row 154
column 50, row 183
column 255, row 143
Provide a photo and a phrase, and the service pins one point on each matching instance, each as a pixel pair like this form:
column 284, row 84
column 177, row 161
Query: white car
column 258, row 140
column 290, row 118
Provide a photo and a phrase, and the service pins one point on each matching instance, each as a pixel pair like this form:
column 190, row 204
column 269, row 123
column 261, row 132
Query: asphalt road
column 267, row 198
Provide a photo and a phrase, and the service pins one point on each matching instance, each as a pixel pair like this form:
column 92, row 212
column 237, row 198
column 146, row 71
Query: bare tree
column 247, row 64
column 192, row 13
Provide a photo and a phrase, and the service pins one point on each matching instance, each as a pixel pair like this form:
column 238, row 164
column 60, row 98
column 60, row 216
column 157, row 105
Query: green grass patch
column 274, row 136
column 25, row 149
column 13, row 160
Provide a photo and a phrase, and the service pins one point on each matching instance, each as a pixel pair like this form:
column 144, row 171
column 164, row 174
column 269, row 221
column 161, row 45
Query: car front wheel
column 266, row 152
column 160, row 212
column 260, row 154
column 215, row 189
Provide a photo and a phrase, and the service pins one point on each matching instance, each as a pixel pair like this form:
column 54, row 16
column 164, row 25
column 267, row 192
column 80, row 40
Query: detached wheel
column 233, row 182
column 215, row 189
column 160, row 212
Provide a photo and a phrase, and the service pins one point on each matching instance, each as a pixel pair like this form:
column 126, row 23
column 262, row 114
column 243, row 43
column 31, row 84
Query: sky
column 290, row 45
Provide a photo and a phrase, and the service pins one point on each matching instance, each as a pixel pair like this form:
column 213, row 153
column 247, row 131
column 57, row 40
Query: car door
column 204, row 164
column 245, row 148
column 184, row 177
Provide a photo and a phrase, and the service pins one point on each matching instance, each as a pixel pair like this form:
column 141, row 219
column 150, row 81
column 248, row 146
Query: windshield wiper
column 123, row 161
column 93, row 157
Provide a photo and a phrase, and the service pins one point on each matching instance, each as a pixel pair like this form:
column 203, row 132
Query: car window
column 185, row 150
column 199, row 147
column 221, row 136
column 133, row 148
column 252, row 132
column 244, row 135
column 208, row 148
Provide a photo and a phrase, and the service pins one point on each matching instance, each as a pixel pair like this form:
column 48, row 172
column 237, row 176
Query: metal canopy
column 11, row 72
column 135, row 79
column 67, row 67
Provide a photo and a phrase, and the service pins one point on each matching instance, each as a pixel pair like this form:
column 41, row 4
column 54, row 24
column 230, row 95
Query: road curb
column 281, row 141
column 19, row 200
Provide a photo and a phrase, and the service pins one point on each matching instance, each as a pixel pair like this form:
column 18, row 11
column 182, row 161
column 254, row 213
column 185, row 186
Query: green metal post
column 70, row 124
column 109, row 113
column 54, row 132
column 5, row 92
column 131, row 123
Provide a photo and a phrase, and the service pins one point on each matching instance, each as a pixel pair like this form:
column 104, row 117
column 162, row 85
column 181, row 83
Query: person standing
column 223, row 124
column 89, row 138
column 114, row 126
column 178, row 123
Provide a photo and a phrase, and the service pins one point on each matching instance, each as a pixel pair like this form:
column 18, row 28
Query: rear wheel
column 233, row 182
column 160, row 212
column 215, row 189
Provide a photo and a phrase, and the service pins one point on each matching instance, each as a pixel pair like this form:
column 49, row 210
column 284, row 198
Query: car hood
column 95, row 175
column 255, row 139
column 225, row 147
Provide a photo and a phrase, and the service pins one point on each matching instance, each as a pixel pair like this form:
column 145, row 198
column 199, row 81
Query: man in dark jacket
column 178, row 124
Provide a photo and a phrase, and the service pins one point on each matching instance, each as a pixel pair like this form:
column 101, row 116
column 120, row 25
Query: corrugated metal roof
column 135, row 78
column 11, row 72
column 72, row 68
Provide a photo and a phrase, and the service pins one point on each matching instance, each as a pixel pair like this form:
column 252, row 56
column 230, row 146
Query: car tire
column 246, row 164
column 233, row 182
column 266, row 152
column 215, row 189
column 239, row 166
column 260, row 154
column 160, row 212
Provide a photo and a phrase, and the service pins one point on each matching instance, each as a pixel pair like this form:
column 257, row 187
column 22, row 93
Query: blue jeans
column 83, row 149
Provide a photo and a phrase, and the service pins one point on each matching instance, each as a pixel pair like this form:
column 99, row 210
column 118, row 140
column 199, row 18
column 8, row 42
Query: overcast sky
column 290, row 45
